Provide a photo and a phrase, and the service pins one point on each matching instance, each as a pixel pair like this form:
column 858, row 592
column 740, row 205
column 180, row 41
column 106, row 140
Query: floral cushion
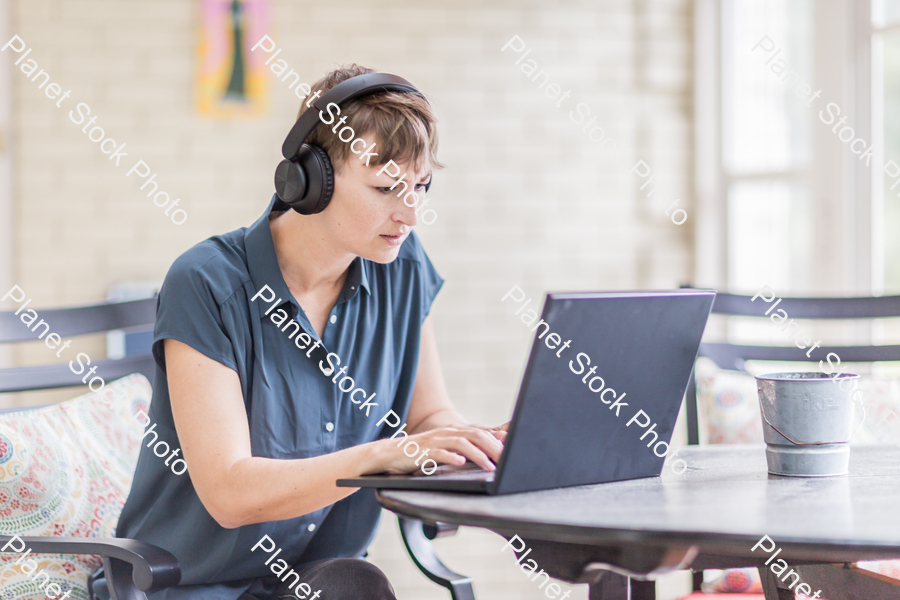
column 727, row 404
column 65, row 470
column 881, row 399
column 733, row 581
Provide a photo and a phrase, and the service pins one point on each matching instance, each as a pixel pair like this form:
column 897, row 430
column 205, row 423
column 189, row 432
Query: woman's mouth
column 393, row 240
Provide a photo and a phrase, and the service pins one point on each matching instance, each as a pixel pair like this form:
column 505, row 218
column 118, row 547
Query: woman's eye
column 421, row 187
column 384, row 190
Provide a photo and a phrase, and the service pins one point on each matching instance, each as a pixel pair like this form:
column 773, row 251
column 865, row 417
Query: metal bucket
column 807, row 423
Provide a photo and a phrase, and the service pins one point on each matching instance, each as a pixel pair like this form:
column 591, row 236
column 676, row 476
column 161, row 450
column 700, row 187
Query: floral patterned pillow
column 732, row 581
column 727, row 404
column 65, row 470
column 881, row 399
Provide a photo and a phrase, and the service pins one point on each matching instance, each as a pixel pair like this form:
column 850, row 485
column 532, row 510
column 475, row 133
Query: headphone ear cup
column 306, row 183
column 290, row 182
column 316, row 165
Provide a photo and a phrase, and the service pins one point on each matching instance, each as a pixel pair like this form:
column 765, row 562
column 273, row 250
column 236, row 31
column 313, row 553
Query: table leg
column 609, row 586
column 772, row 591
column 612, row 586
column 642, row 590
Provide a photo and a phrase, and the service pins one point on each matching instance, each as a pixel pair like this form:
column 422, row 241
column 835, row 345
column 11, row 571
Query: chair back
column 733, row 356
column 77, row 321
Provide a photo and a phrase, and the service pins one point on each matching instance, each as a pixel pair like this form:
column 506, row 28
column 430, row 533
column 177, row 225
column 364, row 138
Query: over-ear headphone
column 305, row 179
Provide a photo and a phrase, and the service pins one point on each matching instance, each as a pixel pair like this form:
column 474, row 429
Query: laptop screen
column 583, row 408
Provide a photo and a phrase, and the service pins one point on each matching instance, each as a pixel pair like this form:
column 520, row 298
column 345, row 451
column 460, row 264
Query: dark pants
column 338, row 579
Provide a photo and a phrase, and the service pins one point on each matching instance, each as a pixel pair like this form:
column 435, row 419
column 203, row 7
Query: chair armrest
column 438, row 530
column 152, row 568
column 418, row 545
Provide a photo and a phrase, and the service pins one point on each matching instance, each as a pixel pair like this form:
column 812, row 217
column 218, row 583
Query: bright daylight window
column 766, row 146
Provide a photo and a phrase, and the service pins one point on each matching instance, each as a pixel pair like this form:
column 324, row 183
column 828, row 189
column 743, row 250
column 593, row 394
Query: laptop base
column 480, row 482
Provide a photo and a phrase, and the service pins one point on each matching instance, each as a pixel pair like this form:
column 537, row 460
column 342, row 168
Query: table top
column 723, row 504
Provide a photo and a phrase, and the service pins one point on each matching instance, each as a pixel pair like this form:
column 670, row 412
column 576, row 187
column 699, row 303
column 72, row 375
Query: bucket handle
column 787, row 437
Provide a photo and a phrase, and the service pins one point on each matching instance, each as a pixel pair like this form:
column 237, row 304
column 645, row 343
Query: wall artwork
column 230, row 80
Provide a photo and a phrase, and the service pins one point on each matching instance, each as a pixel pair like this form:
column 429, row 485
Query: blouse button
column 312, row 527
column 333, row 318
column 329, row 427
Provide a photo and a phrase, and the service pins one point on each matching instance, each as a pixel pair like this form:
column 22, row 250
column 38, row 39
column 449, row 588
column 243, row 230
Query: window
column 766, row 143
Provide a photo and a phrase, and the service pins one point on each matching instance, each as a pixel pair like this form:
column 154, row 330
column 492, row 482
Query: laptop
column 565, row 430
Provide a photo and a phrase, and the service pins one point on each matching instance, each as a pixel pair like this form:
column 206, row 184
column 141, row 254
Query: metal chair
column 70, row 322
column 732, row 356
column 132, row 567
column 417, row 538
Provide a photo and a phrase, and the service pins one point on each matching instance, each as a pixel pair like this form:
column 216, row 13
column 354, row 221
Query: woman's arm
column 238, row 488
column 234, row 486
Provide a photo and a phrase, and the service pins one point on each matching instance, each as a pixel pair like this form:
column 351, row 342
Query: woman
column 264, row 427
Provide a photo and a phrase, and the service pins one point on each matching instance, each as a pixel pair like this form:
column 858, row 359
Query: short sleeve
column 431, row 284
column 189, row 309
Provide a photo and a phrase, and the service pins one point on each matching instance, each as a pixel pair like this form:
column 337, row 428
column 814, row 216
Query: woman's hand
column 450, row 445
column 498, row 432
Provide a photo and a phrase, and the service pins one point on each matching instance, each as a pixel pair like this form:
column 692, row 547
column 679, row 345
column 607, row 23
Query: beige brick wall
column 526, row 198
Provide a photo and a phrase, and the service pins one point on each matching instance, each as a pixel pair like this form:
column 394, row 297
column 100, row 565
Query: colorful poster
column 230, row 81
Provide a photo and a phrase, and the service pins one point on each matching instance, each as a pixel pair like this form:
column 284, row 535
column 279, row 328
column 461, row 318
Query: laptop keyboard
column 467, row 476
column 468, row 472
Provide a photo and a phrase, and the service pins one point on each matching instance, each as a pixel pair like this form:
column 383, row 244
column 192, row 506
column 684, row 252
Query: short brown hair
column 403, row 123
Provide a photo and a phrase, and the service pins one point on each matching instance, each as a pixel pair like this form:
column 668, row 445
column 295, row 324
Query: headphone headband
column 348, row 89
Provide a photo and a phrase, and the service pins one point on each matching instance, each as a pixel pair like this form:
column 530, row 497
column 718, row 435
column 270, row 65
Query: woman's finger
column 447, row 457
column 465, row 447
column 499, row 434
column 485, row 440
